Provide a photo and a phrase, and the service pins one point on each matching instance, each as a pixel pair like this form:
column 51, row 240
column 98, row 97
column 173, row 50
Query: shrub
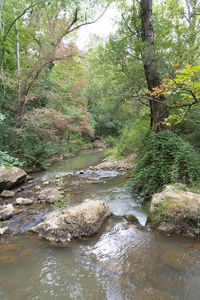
column 7, row 160
column 109, row 141
column 164, row 158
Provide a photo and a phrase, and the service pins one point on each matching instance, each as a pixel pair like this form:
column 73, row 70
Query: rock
column 150, row 294
column 11, row 176
column 169, row 228
column 175, row 211
column 6, row 248
column 7, row 194
column 79, row 221
column 7, row 259
column 113, row 165
column 131, row 219
column 6, row 212
column 24, row 201
column 26, row 253
column 30, row 178
column 49, row 195
column 46, row 182
column 4, row 230
column 119, row 165
column 178, row 260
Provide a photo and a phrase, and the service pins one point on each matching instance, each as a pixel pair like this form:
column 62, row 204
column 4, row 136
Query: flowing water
column 120, row 262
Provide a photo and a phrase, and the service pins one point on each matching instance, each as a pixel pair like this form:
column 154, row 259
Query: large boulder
column 79, row 221
column 176, row 211
column 11, row 176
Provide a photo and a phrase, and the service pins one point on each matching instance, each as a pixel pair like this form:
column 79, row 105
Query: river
column 121, row 262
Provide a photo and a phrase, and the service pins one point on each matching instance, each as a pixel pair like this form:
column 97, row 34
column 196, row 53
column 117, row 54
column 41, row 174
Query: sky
column 102, row 28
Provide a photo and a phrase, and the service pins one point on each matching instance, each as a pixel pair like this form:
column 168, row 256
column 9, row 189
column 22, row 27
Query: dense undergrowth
column 164, row 158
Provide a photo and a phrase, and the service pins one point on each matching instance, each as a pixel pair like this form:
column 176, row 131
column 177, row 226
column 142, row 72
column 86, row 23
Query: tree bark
column 18, row 67
column 158, row 107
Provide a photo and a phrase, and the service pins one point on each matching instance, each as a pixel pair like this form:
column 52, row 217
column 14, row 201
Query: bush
column 109, row 141
column 7, row 160
column 164, row 158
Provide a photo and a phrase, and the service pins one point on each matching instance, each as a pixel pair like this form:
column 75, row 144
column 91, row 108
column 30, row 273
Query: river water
column 120, row 262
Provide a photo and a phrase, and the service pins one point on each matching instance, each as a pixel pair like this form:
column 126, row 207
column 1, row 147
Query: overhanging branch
column 17, row 18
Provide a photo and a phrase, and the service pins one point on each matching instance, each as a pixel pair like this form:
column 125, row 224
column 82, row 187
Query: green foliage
column 109, row 141
column 61, row 202
column 7, row 160
column 2, row 117
column 164, row 158
column 158, row 214
column 131, row 136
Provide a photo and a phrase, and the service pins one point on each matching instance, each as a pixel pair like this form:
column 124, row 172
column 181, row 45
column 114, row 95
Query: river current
column 121, row 262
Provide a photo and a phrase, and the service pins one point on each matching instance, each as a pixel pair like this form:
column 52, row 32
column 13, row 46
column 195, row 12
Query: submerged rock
column 24, row 201
column 11, row 176
column 150, row 294
column 175, row 211
column 7, row 194
column 180, row 261
column 6, row 212
column 79, row 221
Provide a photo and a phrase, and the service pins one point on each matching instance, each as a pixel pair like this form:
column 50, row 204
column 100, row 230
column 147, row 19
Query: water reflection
column 120, row 262
column 82, row 161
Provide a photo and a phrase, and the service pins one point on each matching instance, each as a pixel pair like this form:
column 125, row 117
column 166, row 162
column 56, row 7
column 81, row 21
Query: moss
column 160, row 212
column 130, row 218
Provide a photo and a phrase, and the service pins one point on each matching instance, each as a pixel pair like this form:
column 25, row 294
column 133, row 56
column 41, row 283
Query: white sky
column 102, row 28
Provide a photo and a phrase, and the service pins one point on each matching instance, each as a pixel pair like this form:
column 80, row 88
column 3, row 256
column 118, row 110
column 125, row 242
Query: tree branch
column 17, row 18
column 88, row 23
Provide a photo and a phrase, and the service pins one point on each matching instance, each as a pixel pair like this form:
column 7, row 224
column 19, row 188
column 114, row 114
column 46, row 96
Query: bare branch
column 88, row 23
column 70, row 29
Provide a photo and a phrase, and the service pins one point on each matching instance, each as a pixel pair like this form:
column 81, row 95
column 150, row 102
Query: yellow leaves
column 188, row 66
column 168, row 124
column 162, row 89
column 183, row 90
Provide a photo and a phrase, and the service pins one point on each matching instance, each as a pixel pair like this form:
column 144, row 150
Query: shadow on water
column 120, row 262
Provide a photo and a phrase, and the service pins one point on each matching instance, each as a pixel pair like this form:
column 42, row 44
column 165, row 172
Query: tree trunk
column 18, row 67
column 157, row 105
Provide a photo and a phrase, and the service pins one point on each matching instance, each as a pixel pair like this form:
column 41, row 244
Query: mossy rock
column 11, row 176
column 178, row 207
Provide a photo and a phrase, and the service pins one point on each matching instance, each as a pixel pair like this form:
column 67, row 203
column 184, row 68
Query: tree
column 159, row 111
column 38, row 19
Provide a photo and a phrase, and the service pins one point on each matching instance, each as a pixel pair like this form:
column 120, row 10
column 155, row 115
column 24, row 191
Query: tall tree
column 157, row 105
